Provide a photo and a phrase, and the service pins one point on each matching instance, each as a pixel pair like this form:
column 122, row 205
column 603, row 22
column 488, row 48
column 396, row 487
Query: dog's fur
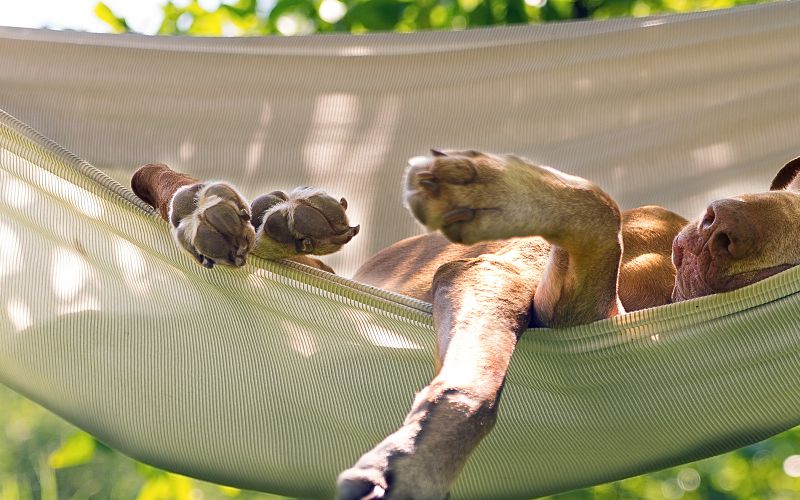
column 528, row 245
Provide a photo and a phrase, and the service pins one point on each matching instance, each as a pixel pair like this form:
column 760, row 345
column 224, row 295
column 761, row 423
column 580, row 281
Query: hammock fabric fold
column 276, row 377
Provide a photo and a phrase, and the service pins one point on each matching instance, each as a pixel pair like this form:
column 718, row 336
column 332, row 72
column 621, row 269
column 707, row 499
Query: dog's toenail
column 458, row 215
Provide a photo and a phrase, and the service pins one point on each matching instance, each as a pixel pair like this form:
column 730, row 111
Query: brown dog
column 533, row 246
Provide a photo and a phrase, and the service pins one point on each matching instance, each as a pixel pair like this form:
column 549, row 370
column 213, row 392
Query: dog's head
column 740, row 240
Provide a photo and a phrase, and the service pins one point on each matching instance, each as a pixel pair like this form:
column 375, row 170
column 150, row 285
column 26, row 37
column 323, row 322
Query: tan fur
column 518, row 244
column 586, row 262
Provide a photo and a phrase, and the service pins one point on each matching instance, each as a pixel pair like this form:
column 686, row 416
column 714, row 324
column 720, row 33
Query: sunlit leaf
column 78, row 449
column 162, row 485
column 229, row 492
column 9, row 489
column 105, row 14
column 156, row 488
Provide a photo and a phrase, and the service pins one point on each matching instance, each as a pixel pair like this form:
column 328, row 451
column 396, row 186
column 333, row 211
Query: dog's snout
column 727, row 230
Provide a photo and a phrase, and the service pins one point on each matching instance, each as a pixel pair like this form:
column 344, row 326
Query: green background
column 43, row 457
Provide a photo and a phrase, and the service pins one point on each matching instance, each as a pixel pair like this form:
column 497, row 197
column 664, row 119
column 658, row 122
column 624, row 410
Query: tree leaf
column 104, row 12
column 78, row 449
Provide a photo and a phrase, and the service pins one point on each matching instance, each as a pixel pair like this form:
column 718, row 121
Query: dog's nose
column 726, row 229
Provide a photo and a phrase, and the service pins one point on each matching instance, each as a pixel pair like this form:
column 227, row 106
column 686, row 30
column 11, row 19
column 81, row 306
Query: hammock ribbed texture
column 274, row 377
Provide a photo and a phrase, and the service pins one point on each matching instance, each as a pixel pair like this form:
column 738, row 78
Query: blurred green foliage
column 293, row 17
column 43, row 457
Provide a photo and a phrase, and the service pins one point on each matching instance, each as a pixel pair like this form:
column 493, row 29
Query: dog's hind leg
column 472, row 196
column 481, row 307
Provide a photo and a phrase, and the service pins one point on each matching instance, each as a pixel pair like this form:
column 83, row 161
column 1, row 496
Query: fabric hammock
column 275, row 377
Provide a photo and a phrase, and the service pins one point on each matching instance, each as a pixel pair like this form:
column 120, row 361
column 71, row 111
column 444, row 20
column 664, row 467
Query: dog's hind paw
column 462, row 193
column 211, row 222
column 472, row 196
column 306, row 221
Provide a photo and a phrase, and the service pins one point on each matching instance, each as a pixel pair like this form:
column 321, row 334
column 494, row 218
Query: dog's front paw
column 211, row 222
column 306, row 221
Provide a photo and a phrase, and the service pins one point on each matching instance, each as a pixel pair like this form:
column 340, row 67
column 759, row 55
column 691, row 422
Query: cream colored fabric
column 275, row 378
column 673, row 110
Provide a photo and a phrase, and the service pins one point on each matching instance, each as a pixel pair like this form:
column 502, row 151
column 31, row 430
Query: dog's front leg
column 481, row 306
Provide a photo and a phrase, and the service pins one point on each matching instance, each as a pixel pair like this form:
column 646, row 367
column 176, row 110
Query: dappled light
column 791, row 466
column 238, row 373
column 19, row 313
column 9, row 249
column 186, row 151
column 293, row 17
column 649, row 23
column 133, row 265
column 301, row 339
column 69, row 272
column 15, row 193
column 379, row 335
column 714, row 156
column 333, row 122
column 255, row 149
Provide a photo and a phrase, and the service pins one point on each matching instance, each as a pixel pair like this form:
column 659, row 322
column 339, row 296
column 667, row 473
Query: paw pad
column 306, row 221
column 212, row 223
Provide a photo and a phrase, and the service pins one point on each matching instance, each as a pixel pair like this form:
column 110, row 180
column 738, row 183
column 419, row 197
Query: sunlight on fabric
column 10, row 256
column 301, row 339
column 335, row 117
column 133, row 265
column 652, row 22
column 716, row 156
column 379, row 335
column 582, row 84
column 255, row 149
column 69, row 273
column 634, row 328
column 19, row 314
column 186, row 151
column 356, row 51
column 80, row 198
column 16, row 193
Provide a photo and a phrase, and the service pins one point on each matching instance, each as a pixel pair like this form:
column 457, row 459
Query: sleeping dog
column 518, row 245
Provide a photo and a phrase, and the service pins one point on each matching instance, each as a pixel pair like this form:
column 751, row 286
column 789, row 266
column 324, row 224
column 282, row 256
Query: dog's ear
column 788, row 177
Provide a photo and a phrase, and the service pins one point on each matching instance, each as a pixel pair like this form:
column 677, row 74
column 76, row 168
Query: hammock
column 276, row 377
